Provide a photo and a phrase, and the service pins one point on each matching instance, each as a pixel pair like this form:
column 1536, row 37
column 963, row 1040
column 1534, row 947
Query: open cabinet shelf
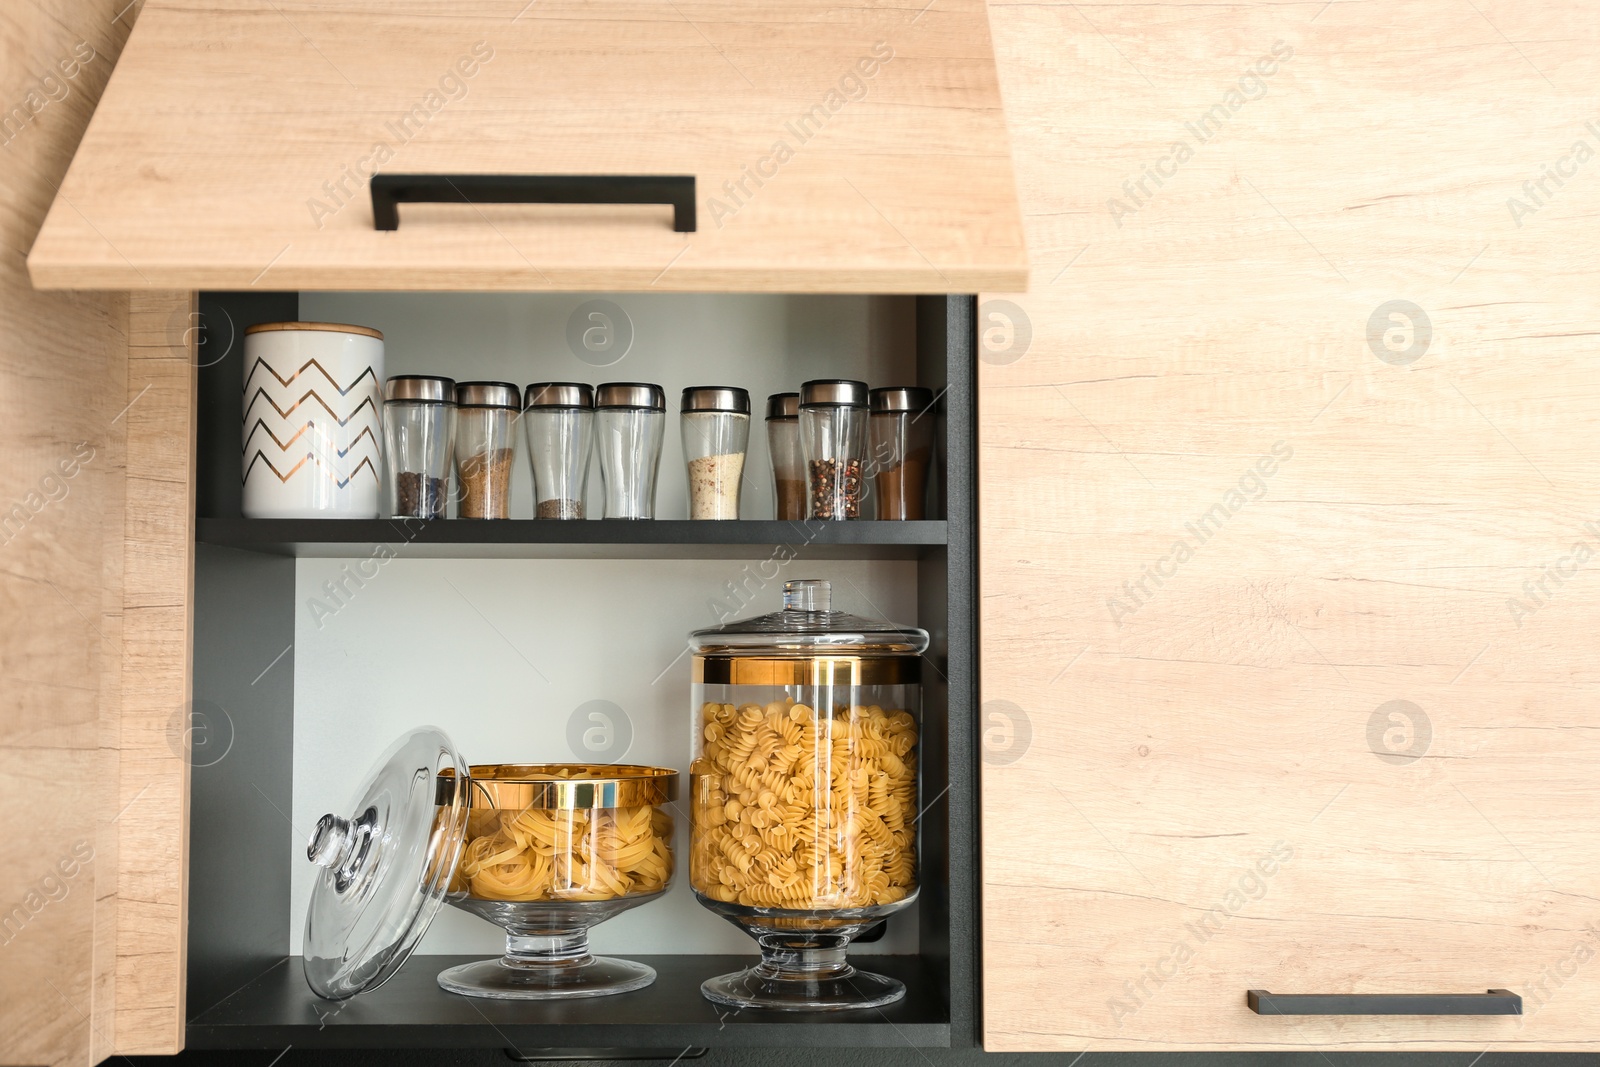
column 257, row 657
column 410, row 1010
column 589, row 539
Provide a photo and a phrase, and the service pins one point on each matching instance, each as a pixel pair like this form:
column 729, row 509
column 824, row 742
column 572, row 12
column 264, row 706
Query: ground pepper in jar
column 485, row 414
column 560, row 508
column 486, row 485
column 901, row 433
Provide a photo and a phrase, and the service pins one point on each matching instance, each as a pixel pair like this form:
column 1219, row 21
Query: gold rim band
column 566, row 786
column 810, row 671
column 314, row 327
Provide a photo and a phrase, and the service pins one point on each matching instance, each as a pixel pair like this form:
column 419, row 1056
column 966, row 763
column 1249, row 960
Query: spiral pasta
column 795, row 809
column 564, row 854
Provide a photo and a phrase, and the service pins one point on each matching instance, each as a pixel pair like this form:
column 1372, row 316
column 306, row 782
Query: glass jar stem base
column 803, row 976
column 546, row 967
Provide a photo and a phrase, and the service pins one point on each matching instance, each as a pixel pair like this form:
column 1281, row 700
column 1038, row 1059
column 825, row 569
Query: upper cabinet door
column 836, row 148
column 1290, row 529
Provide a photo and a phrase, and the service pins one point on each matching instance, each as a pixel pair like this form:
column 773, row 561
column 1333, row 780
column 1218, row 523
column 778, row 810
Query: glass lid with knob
column 808, row 624
column 386, row 865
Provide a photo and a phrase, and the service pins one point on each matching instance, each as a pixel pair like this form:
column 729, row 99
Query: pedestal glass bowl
column 551, row 851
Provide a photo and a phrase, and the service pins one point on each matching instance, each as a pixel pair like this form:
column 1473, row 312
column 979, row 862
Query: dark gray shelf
column 277, row 1009
column 589, row 539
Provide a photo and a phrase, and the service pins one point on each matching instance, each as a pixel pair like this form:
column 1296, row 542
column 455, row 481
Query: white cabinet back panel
column 503, row 653
column 766, row 344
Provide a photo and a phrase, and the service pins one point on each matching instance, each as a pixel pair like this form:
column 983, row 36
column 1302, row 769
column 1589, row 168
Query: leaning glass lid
column 386, row 864
column 808, row 625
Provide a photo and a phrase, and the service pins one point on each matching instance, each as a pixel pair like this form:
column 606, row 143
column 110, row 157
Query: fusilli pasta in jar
column 804, row 794
column 796, row 809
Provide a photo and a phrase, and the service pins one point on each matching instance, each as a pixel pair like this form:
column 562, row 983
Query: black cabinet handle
column 391, row 190
column 1494, row 1002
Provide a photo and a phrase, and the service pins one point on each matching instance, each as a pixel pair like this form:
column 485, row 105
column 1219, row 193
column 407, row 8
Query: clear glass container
column 485, row 448
column 901, row 441
column 544, row 851
column 788, row 462
column 559, row 420
column 833, row 437
column 419, row 430
column 630, row 422
column 804, row 794
column 715, row 422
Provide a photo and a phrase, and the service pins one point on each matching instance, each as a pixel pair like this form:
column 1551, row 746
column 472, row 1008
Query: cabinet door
column 95, row 401
column 836, row 148
column 1291, row 530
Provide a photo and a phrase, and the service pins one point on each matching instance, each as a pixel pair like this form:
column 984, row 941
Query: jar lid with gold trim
column 809, row 628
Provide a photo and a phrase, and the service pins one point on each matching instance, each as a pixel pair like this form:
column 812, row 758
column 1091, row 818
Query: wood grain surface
column 1290, row 528
column 61, row 386
column 854, row 148
column 91, row 875
column 158, row 588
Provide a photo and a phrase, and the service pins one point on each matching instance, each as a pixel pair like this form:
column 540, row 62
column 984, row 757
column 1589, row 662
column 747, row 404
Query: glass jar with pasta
column 544, row 851
column 804, row 794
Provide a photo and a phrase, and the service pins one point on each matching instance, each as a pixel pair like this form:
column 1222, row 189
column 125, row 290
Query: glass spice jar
column 558, row 418
column 804, row 794
column 418, row 428
column 901, row 435
column 630, row 422
column 788, row 464
column 485, row 412
column 833, row 436
column 715, row 422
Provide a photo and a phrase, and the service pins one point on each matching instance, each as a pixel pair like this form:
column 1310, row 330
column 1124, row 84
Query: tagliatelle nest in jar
column 793, row 809
column 566, row 853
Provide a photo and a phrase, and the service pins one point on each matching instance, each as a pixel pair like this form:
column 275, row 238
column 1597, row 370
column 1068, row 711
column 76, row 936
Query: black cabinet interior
column 246, row 992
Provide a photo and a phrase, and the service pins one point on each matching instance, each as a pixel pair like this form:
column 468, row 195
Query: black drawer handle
column 391, row 190
column 1494, row 1002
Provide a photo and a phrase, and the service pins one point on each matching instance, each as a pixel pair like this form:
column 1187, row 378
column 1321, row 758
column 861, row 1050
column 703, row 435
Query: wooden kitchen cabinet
column 1287, row 591
column 225, row 169
column 837, row 149
column 1308, row 299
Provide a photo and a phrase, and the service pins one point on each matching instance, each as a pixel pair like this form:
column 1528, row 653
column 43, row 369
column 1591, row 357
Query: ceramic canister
column 313, row 399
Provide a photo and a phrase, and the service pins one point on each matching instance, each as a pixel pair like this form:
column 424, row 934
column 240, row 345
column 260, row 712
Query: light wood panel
column 60, row 591
column 234, row 148
column 158, row 589
column 86, row 854
column 1213, row 714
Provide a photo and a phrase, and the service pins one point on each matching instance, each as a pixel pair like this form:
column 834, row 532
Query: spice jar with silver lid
column 484, row 448
column 833, row 436
column 419, row 429
column 559, row 421
column 788, row 464
column 630, row 421
column 901, row 435
column 715, row 421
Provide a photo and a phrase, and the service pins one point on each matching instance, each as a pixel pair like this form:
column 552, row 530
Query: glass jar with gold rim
column 544, row 851
column 804, row 794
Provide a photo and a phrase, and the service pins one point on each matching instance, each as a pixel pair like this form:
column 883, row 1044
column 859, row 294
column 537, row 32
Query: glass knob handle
column 808, row 594
column 330, row 841
column 344, row 846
